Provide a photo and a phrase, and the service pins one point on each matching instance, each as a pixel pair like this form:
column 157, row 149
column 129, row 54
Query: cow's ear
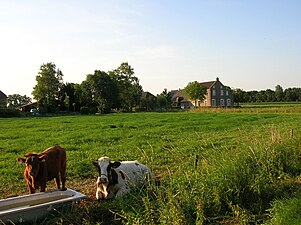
column 21, row 160
column 43, row 158
column 115, row 164
column 95, row 163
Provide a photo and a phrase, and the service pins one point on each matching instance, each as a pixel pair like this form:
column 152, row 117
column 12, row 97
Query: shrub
column 84, row 110
column 7, row 112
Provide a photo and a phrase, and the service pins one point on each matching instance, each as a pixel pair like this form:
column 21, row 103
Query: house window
column 221, row 86
column 222, row 102
column 213, row 93
column 205, row 102
column 213, row 102
column 228, row 102
column 222, row 92
column 227, row 93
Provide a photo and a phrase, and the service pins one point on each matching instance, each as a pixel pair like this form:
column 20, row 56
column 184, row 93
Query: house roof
column 30, row 104
column 180, row 92
column 208, row 84
column 177, row 94
column 147, row 94
column 2, row 94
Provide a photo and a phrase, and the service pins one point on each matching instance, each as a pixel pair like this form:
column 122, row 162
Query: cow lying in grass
column 118, row 178
column 45, row 166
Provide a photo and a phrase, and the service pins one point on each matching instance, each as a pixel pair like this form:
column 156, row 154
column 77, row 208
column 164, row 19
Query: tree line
column 119, row 90
column 100, row 92
column 268, row 95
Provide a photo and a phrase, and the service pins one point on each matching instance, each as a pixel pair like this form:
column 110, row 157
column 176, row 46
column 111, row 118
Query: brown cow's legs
column 43, row 187
column 31, row 190
column 58, row 182
column 63, row 178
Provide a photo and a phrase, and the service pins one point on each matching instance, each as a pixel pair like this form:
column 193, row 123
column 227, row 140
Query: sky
column 248, row 44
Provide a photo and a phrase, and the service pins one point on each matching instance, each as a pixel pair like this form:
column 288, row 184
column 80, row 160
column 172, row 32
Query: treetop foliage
column 16, row 100
column 195, row 91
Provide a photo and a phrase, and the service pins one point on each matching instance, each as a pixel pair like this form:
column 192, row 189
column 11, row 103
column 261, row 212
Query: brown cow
column 45, row 166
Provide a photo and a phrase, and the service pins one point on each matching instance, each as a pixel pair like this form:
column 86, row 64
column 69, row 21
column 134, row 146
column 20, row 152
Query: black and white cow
column 118, row 178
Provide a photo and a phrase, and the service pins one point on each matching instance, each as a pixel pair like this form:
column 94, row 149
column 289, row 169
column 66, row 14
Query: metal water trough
column 30, row 208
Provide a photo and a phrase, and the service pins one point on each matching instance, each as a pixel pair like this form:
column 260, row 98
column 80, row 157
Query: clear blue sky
column 248, row 44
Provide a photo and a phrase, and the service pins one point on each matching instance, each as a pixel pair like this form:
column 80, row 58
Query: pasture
column 211, row 167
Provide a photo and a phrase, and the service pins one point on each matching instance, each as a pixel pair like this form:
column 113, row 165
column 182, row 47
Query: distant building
column 3, row 99
column 148, row 95
column 148, row 101
column 28, row 107
column 218, row 95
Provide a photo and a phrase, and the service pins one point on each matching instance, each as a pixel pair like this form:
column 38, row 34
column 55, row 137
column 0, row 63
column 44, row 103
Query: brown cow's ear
column 115, row 164
column 95, row 163
column 21, row 160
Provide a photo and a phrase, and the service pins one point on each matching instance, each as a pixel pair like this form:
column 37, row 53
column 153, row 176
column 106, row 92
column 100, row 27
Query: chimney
column 217, row 79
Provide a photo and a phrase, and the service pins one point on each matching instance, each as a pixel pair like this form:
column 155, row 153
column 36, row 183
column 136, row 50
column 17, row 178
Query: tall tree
column 195, row 91
column 46, row 91
column 279, row 93
column 130, row 90
column 67, row 97
column 103, row 89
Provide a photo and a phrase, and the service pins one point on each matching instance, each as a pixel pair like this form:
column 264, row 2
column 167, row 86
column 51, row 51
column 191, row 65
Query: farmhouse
column 3, row 99
column 28, row 107
column 218, row 95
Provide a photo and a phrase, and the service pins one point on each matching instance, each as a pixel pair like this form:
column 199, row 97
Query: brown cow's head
column 32, row 162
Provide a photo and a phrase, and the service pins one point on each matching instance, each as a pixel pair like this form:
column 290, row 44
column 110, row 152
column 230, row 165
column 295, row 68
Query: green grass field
column 248, row 162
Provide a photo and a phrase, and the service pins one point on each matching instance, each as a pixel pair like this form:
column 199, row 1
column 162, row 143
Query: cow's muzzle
column 103, row 179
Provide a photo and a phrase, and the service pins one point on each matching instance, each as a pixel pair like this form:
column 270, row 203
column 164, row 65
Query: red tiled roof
column 208, row 84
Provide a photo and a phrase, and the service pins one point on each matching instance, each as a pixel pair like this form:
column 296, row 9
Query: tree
column 239, row 95
column 129, row 89
column 16, row 100
column 270, row 95
column 279, row 93
column 147, row 103
column 195, row 91
column 103, row 90
column 161, row 102
column 260, row 96
column 164, row 99
column 67, row 97
column 46, row 91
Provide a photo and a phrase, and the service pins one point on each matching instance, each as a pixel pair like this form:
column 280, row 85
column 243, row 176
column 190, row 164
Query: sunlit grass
column 245, row 162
